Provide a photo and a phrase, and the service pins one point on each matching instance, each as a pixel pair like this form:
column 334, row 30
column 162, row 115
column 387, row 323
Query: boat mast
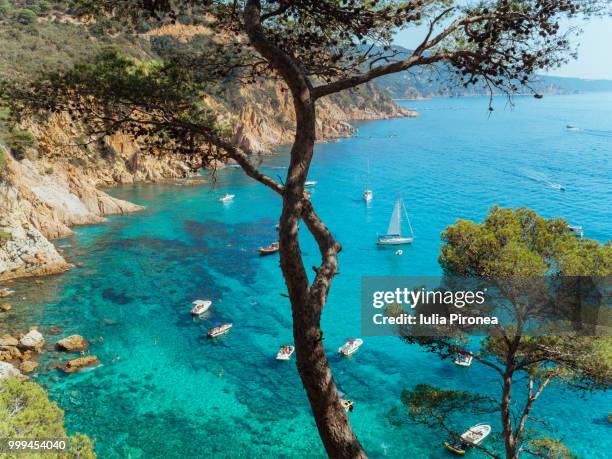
column 408, row 219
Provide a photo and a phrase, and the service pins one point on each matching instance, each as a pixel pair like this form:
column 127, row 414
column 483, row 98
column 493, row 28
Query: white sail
column 395, row 224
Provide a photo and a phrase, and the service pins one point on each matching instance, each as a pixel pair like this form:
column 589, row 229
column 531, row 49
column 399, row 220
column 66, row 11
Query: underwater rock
column 6, row 307
column 73, row 343
column 55, row 330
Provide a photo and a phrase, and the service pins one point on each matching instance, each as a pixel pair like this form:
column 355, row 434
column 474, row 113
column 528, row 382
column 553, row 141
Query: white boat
column 200, row 307
column 227, row 197
column 310, row 183
column 350, row 346
column 464, row 359
column 576, row 230
column 473, row 436
column 220, row 330
column 394, row 234
column 270, row 249
column 557, row 186
column 346, row 404
column 285, row 352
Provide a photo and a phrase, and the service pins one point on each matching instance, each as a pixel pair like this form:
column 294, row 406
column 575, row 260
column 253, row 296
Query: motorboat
column 576, row 230
column 350, row 346
column 269, row 250
column 346, row 404
column 200, row 307
column 473, row 436
column 220, row 330
column 394, row 234
column 227, row 197
column 285, row 352
column 557, row 186
column 464, row 359
column 310, row 183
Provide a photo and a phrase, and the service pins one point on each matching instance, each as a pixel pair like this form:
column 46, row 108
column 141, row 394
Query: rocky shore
column 20, row 353
column 59, row 183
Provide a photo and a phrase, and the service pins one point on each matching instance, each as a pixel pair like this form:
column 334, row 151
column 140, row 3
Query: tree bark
column 506, row 416
column 306, row 301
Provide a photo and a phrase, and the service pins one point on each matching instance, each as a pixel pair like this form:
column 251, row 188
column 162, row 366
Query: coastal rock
column 74, row 365
column 32, row 341
column 5, row 307
column 73, row 343
column 9, row 371
column 8, row 341
column 28, row 366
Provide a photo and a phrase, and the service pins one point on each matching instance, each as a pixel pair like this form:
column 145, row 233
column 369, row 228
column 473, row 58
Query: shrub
column 5, row 236
column 26, row 412
column 26, row 16
column 19, row 141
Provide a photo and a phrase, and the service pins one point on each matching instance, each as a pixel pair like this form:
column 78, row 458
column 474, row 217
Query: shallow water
column 164, row 390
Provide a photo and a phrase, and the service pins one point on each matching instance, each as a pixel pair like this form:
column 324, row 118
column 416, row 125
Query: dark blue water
column 164, row 390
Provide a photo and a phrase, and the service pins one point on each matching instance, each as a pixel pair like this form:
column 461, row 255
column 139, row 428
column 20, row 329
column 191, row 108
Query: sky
column 594, row 49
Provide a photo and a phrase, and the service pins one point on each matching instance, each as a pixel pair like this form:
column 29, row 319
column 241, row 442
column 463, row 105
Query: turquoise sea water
column 166, row 391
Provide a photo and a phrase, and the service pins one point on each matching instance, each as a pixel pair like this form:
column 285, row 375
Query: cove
column 164, row 390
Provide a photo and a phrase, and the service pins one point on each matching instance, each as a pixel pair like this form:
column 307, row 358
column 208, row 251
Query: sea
column 163, row 390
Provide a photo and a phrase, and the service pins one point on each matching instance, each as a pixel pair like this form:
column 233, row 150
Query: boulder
column 74, row 365
column 73, row 343
column 7, row 371
column 8, row 341
column 5, row 307
column 32, row 341
column 28, row 366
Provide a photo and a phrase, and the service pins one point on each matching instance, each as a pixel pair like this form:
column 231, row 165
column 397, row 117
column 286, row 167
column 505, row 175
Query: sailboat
column 394, row 234
column 367, row 193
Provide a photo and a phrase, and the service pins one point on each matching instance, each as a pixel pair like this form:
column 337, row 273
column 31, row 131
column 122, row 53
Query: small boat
column 220, row 330
column 200, row 307
column 473, row 436
column 346, row 404
column 227, row 197
column 350, row 346
column 464, row 359
column 576, row 230
column 394, row 234
column 557, row 186
column 571, row 127
column 310, row 183
column 285, row 352
column 269, row 250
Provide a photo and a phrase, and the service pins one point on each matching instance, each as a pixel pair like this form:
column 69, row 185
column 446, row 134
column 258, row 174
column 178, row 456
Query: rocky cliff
column 58, row 184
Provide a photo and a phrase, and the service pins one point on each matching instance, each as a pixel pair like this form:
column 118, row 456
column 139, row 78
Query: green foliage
column 19, row 142
column 550, row 448
column 5, row 236
column 26, row 412
column 520, row 243
column 26, row 16
column 2, row 159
